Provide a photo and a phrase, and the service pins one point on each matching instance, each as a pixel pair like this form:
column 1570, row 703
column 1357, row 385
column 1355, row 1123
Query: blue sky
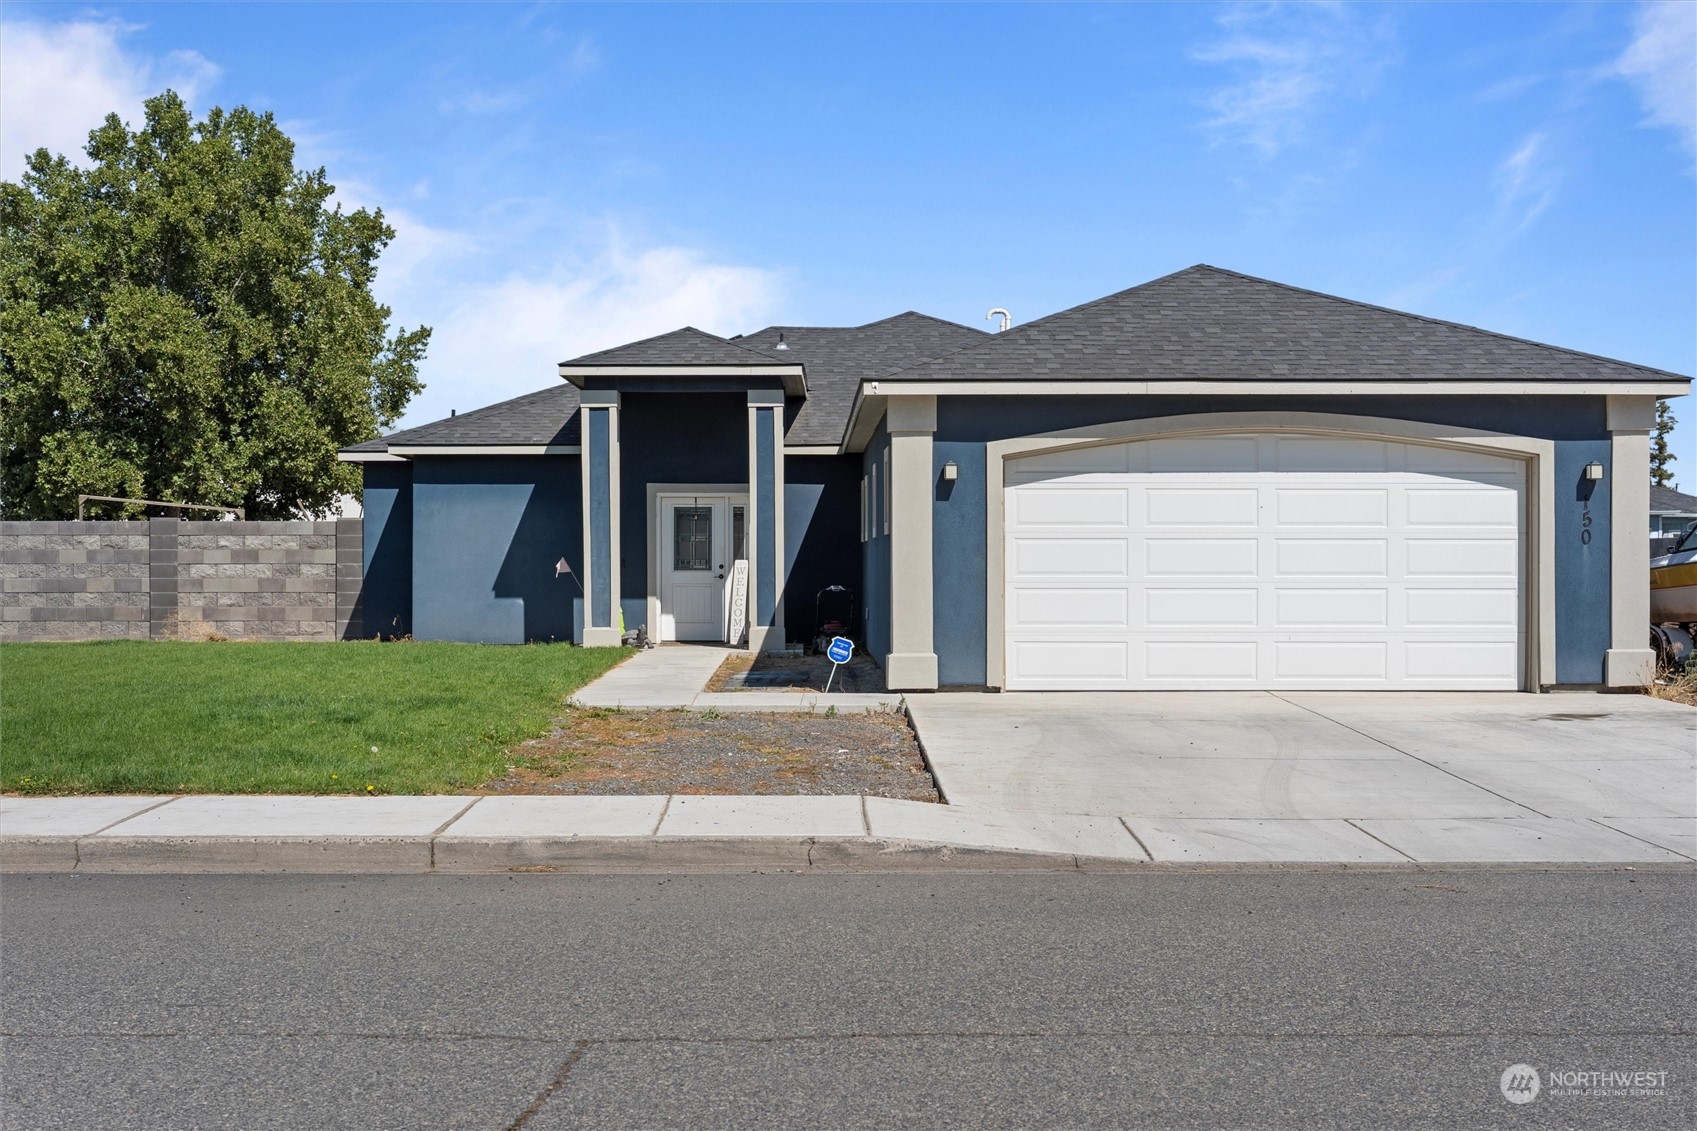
column 567, row 178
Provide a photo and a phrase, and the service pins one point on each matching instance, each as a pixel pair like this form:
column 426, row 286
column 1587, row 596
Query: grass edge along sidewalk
column 258, row 717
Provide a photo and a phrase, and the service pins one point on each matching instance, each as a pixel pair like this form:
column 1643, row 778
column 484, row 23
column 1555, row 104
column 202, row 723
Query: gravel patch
column 601, row 751
column 770, row 672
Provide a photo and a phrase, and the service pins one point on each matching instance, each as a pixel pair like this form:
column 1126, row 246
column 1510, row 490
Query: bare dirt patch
column 599, row 751
column 769, row 672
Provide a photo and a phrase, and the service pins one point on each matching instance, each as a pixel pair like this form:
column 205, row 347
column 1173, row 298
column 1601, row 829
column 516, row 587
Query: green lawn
column 140, row 717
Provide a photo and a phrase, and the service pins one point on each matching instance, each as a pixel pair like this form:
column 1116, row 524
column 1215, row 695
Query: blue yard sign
column 839, row 651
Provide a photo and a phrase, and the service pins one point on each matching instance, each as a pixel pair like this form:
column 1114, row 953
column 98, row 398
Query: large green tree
column 185, row 319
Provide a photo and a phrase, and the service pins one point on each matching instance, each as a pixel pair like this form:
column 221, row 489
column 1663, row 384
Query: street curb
column 449, row 855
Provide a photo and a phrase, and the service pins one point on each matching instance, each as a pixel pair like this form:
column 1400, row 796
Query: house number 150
column 1585, row 524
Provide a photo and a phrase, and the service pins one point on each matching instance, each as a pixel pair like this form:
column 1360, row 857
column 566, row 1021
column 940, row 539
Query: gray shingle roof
column 1208, row 324
column 1199, row 324
column 685, row 347
column 1665, row 500
column 545, row 417
column 839, row 358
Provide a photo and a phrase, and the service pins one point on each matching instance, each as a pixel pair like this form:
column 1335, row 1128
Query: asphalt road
column 545, row 1001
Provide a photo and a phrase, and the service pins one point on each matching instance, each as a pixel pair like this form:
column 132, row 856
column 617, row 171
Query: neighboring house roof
column 1208, row 324
column 1665, row 500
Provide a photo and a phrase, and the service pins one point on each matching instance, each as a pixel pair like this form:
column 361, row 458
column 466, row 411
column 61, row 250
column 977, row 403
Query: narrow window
column 886, row 490
column 739, row 533
column 863, row 508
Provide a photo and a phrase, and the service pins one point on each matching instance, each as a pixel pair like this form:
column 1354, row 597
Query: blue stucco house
column 1206, row 481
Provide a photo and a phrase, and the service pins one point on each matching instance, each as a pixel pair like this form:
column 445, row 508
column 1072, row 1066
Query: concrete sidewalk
column 789, row 833
column 674, row 676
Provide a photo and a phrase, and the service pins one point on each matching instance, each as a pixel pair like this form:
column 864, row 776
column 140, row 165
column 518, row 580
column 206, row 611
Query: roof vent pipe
column 1007, row 319
column 780, row 345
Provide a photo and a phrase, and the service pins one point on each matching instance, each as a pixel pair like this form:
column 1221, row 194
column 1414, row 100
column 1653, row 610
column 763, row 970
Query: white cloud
column 1662, row 63
column 503, row 338
column 58, row 81
column 1286, row 61
column 1526, row 182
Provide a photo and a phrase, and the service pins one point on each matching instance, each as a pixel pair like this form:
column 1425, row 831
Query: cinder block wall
column 73, row 580
column 168, row 579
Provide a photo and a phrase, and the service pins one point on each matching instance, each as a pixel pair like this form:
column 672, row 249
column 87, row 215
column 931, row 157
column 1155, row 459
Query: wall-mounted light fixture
column 950, row 472
column 1593, row 470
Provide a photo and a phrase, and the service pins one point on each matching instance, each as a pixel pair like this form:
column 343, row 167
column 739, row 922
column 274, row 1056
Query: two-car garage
column 1264, row 560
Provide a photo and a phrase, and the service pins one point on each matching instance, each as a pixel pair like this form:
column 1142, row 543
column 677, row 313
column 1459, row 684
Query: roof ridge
column 1017, row 331
column 1445, row 322
column 696, row 330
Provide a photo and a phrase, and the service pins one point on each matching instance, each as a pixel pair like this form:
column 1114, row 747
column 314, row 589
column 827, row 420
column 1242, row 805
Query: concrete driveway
column 1425, row 773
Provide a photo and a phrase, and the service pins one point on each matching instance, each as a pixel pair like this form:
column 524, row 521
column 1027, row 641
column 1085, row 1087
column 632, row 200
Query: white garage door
column 1276, row 561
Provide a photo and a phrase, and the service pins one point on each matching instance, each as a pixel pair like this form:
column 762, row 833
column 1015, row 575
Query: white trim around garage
column 1539, row 546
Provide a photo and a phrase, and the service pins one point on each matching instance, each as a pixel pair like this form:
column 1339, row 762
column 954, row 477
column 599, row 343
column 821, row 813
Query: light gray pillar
column 765, row 518
column 911, row 664
column 1629, row 662
column 600, row 474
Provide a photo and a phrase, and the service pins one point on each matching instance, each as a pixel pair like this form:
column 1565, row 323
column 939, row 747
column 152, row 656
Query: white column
column 765, row 520
column 1629, row 662
column 912, row 661
column 599, row 467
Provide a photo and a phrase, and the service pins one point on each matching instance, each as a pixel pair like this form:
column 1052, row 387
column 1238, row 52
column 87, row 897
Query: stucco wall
column 388, row 549
column 965, row 424
column 875, row 553
column 821, row 540
column 486, row 532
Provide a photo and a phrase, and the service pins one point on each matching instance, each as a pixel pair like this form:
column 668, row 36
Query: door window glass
column 692, row 538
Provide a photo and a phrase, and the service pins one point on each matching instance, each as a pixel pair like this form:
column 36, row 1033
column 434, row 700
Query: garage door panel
column 1450, row 608
column 1335, row 506
column 1323, row 453
column 1166, row 608
column 1072, row 506
column 1330, row 660
column 1210, row 455
column 1463, row 557
column 1059, row 557
column 1331, row 608
column 1331, row 557
column 1201, row 557
column 1437, row 506
column 1199, row 660
column 1459, row 659
column 1172, row 507
column 1078, row 606
column 1349, row 564
column 1089, row 661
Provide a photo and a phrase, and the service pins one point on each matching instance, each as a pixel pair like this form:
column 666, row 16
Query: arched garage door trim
column 1537, row 454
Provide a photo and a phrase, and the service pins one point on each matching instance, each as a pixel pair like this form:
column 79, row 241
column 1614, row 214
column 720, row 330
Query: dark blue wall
column 386, row 587
column 964, row 424
column 672, row 438
column 487, row 531
column 1583, row 569
column 824, row 536
column 875, row 612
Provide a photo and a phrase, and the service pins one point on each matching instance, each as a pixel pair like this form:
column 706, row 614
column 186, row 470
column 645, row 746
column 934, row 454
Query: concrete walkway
column 794, row 833
column 673, row 677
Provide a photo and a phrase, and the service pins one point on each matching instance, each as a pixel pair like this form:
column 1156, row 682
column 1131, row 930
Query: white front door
column 696, row 545
column 1264, row 561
